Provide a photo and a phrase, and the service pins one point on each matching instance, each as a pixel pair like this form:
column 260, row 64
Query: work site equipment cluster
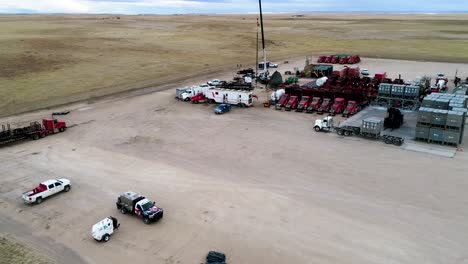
column 441, row 118
column 344, row 93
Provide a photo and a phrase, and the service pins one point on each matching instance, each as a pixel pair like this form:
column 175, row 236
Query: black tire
column 388, row 141
column 61, row 129
column 397, row 142
column 146, row 220
column 195, row 102
column 317, row 129
column 42, row 135
column 38, row 200
column 215, row 257
column 339, row 132
column 35, row 136
column 66, row 188
column 105, row 238
column 123, row 210
column 347, row 133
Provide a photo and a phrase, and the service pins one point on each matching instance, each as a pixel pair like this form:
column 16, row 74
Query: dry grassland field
column 257, row 184
column 50, row 60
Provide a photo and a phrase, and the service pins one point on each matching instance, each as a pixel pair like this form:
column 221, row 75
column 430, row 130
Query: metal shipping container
column 439, row 117
column 425, row 115
column 398, row 90
column 452, row 137
column 385, row 89
column 427, row 102
column 422, row 132
column 412, row 92
column 371, row 125
column 455, row 119
column 436, row 134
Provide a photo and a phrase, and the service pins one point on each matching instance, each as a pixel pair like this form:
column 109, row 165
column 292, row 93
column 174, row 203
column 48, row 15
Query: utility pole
column 265, row 68
column 256, row 62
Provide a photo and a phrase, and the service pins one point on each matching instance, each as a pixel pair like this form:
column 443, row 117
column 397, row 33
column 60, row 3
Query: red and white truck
column 46, row 189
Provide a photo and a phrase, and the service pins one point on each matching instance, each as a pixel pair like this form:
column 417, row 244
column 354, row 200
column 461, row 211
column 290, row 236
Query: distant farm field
column 50, row 60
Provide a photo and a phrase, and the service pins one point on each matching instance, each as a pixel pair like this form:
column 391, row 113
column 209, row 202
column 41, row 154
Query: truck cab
column 282, row 101
column 325, row 106
column 351, row 109
column 292, row 103
column 199, row 98
column 325, row 124
column 53, row 126
column 133, row 203
column 338, row 106
column 192, row 91
column 303, row 104
column 314, row 105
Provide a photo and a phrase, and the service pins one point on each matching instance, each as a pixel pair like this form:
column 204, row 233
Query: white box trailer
column 233, row 97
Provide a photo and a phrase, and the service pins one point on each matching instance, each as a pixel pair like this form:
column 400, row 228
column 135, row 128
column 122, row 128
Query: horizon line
column 252, row 13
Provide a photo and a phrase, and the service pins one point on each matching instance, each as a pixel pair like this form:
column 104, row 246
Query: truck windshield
column 147, row 206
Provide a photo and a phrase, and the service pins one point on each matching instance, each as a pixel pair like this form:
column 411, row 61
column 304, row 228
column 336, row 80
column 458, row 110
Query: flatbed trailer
column 34, row 131
column 371, row 128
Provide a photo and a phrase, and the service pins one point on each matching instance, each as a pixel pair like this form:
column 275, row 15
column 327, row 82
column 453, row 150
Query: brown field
column 51, row 60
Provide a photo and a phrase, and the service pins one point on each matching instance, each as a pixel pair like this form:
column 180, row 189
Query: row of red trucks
column 339, row 59
column 318, row 105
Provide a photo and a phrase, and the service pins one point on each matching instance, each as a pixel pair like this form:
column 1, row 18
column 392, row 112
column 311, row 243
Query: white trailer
column 233, row 97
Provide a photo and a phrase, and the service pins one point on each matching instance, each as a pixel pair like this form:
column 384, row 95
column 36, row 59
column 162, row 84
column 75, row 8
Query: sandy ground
column 257, row 184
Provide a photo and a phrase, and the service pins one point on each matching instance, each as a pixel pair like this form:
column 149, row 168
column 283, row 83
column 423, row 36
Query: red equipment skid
column 321, row 59
column 344, row 60
column 334, row 60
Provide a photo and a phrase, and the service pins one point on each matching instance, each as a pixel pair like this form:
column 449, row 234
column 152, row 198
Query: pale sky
column 227, row 6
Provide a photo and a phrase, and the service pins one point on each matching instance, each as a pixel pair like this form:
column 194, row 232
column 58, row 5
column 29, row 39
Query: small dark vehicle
column 222, row 108
column 138, row 205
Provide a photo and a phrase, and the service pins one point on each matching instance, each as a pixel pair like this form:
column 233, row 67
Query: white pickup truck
column 46, row 189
